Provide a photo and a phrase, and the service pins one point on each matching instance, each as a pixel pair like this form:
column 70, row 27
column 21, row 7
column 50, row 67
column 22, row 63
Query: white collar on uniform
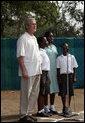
column 66, row 55
column 42, row 49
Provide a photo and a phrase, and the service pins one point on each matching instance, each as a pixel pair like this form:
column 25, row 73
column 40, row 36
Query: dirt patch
column 10, row 102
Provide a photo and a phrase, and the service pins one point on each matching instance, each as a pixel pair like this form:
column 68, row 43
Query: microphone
column 67, row 49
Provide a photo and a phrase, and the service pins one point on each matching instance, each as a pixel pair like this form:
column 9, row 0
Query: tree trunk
column 18, row 28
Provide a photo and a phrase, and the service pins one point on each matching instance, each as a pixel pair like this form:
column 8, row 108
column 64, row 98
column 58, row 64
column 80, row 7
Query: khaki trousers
column 29, row 94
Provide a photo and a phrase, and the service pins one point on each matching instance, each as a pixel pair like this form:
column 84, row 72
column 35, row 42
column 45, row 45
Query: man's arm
column 21, row 63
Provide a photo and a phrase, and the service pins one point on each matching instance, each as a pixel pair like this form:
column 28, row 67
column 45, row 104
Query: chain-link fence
column 76, row 46
column 9, row 64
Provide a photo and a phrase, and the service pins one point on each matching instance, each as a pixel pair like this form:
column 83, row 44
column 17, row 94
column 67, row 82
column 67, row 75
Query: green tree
column 50, row 15
column 44, row 11
column 75, row 14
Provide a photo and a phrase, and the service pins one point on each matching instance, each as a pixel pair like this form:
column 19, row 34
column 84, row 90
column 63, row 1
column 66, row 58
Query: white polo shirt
column 45, row 62
column 62, row 63
column 27, row 46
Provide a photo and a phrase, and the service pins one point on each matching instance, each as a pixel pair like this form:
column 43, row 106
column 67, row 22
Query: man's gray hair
column 27, row 21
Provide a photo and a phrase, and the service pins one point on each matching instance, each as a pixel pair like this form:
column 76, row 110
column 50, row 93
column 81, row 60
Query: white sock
column 30, row 114
column 52, row 108
column 46, row 109
column 42, row 110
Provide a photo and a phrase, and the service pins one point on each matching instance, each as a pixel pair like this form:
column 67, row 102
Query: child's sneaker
column 67, row 111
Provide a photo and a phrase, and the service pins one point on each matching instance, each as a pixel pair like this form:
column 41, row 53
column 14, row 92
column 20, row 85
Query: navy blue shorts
column 63, row 85
column 45, row 89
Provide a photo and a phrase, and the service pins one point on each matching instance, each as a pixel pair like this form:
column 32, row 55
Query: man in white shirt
column 28, row 56
column 66, row 66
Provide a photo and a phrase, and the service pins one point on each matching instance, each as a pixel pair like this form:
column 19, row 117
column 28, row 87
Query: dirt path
column 10, row 101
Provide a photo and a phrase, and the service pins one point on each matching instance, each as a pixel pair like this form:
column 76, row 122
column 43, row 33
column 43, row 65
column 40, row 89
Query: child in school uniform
column 64, row 68
column 44, row 82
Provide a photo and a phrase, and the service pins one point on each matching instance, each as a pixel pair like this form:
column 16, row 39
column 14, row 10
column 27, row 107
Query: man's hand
column 21, row 63
column 25, row 74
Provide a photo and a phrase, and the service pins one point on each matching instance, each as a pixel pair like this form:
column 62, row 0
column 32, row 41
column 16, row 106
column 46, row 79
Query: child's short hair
column 47, row 33
column 63, row 44
column 40, row 40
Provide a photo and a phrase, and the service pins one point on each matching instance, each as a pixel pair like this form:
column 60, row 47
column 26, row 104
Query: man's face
column 32, row 25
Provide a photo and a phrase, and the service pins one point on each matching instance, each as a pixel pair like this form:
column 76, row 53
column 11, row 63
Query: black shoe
column 26, row 119
column 33, row 118
column 49, row 113
column 67, row 111
column 53, row 112
column 42, row 114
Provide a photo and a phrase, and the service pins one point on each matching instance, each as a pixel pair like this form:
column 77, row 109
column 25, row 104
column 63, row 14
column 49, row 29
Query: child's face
column 45, row 42
column 65, row 48
column 50, row 38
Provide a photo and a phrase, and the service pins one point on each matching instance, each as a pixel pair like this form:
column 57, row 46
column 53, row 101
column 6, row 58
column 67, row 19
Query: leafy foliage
column 48, row 16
